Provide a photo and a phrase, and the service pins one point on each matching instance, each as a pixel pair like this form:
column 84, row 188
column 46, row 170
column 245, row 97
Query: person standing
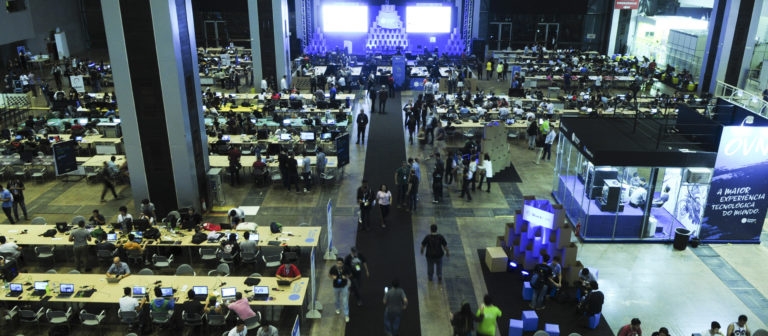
column 632, row 329
column 437, row 180
column 17, row 190
column 436, row 247
column 234, row 165
column 401, row 181
column 340, row 274
column 413, row 191
column 80, row 238
column 499, row 71
column 383, row 95
column 395, row 302
column 372, row 93
column 488, row 314
column 364, row 199
column 488, row 69
column 547, row 152
column 362, row 123
column 320, row 162
column 466, row 181
column 714, row 330
column 306, row 172
column 487, row 172
column 384, row 198
column 358, row 264
column 108, row 181
column 7, row 199
column 739, row 328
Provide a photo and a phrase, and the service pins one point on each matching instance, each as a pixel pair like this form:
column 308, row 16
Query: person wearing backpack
column 358, row 264
column 463, row 321
column 435, row 246
column 541, row 280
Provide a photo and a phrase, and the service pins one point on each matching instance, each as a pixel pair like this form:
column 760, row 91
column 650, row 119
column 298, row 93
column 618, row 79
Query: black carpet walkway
column 390, row 251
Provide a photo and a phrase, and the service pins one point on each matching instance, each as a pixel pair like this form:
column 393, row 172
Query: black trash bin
column 682, row 236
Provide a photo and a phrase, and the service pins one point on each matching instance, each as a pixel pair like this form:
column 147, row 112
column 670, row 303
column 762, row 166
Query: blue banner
column 737, row 202
column 398, row 71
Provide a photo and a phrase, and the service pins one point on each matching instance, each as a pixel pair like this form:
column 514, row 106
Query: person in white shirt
column 548, row 141
column 487, row 167
column 9, row 248
column 436, row 88
column 283, row 84
column 130, row 303
column 342, row 83
column 264, row 86
column 235, row 216
column 239, row 329
column 638, row 196
column 518, row 111
column 503, row 113
column 123, row 218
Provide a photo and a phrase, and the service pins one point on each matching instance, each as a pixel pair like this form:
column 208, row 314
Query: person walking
column 466, row 181
column 384, row 198
column 401, row 181
column 487, row 172
column 340, row 274
column 488, row 314
column 437, row 180
column 358, row 264
column 413, row 191
column 383, row 95
column 488, row 69
column 16, row 187
column 395, row 302
column 463, row 321
column 108, row 181
column 233, row 156
column 436, row 247
column 80, row 238
column 364, row 200
column 362, row 123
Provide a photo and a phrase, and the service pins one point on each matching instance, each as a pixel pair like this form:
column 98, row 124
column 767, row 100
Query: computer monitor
column 285, row 136
column 254, row 236
column 67, row 288
column 111, row 237
column 308, row 136
column 41, row 285
column 228, row 292
column 225, row 138
column 166, row 291
column 326, row 136
column 253, row 120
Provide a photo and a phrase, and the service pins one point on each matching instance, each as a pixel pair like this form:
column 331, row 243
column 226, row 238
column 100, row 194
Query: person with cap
column 358, row 265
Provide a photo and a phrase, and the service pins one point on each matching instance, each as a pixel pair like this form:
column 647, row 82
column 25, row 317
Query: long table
column 302, row 236
column 293, row 295
column 222, row 161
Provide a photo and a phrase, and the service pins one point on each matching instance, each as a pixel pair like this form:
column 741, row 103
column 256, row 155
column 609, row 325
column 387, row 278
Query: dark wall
column 539, row 7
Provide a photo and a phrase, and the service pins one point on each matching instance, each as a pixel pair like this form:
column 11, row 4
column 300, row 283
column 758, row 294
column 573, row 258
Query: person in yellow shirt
column 499, row 71
column 488, row 70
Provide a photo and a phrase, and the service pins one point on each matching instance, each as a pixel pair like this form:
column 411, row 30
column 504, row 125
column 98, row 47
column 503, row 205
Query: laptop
column 138, row 236
column 285, row 137
column 253, row 236
column 41, row 287
column 139, row 292
column 225, row 138
column 15, row 290
column 283, row 282
column 308, row 136
column 66, row 290
column 260, row 293
column 228, row 293
column 111, row 237
column 201, row 292
column 325, row 136
column 167, row 292
column 113, row 280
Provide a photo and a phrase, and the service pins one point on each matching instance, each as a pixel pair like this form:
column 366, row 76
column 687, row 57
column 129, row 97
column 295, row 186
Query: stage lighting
column 524, row 273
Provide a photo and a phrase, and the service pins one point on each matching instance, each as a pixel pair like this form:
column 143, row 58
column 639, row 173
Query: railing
column 751, row 101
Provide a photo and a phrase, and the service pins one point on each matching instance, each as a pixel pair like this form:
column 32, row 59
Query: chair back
column 128, row 316
column 216, row 319
column 223, row 269
column 146, row 271
column 247, row 257
column 77, row 220
column 185, row 269
column 103, row 254
column 192, row 319
column 159, row 316
column 38, row 220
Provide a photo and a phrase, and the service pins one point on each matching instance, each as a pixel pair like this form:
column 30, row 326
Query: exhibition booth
column 640, row 180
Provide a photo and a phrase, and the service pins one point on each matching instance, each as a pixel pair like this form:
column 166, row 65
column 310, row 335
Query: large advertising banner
column 737, row 196
column 398, row 71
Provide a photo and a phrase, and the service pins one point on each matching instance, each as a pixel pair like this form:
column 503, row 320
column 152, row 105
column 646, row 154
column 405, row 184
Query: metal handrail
column 751, row 101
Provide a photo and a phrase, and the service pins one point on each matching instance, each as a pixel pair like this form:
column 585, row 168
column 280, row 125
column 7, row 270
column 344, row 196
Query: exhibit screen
column 428, row 19
column 341, row 18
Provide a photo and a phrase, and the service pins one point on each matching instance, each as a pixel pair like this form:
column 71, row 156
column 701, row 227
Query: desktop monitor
column 79, row 138
column 19, row 137
column 82, row 121
column 286, row 122
column 285, row 137
column 308, row 136
column 41, row 285
column 253, row 120
column 67, row 288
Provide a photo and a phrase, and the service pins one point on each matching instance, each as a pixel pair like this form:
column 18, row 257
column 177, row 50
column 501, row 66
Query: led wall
column 341, row 18
column 428, row 19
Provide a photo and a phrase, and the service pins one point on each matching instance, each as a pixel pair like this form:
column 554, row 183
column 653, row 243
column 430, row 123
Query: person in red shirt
column 287, row 271
column 631, row 329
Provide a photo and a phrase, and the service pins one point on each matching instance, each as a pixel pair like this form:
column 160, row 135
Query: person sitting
column 593, row 300
column 638, row 196
column 193, row 307
column 9, row 248
column 266, row 329
column 105, row 245
column 118, row 269
column 663, row 198
column 287, row 271
column 191, row 220
column 160, row 304
column 582, row 285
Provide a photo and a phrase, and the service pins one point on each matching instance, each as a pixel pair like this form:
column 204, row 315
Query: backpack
column 199, row 238
column 49, row 233
column 275, row 227
column 541, row 273
column 152, row 233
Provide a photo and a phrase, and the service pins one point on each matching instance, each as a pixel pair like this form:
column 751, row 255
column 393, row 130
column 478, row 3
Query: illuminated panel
column 428, row 19
column 344, row 18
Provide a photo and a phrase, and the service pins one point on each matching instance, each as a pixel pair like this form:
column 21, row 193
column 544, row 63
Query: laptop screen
column 286, row 122
column 67, row 288
column 254, row 236
column 167, row 291
column 41, row 285
column 260, row 290
column 138, row 290
column 16, row 287
column 225, row 138
column 285, row 136
column 325, row 136
column 111, row 237
column 308, row 136
column 79, row 138
column 200, row 290
column 228, row 292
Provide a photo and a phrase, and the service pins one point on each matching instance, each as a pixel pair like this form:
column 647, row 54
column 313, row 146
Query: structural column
column 153, row 55
column 270, row 40
column 730, row 44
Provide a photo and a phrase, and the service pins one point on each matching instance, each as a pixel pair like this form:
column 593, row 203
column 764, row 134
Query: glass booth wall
column 627, row 203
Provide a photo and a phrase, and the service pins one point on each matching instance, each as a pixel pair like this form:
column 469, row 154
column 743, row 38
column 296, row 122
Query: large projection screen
column 428, row 19
column 341, row 18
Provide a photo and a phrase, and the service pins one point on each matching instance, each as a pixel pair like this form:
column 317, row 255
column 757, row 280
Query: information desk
column 302, row 236
column 292, row 295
